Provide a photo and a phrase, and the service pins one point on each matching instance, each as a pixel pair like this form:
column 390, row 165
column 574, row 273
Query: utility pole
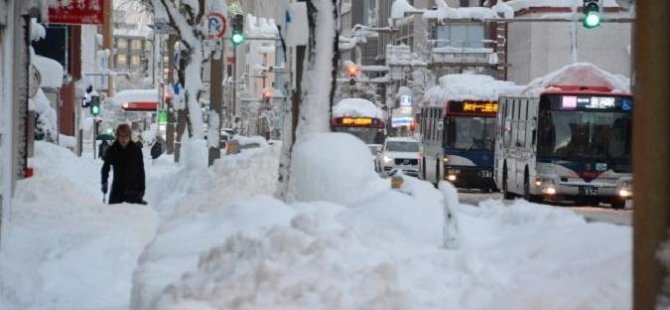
column 651, row 218
column 170, row 130
column 216, row 98
column 108, row 40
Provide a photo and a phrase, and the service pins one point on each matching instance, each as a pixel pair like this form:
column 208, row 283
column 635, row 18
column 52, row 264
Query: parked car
column 399, row 154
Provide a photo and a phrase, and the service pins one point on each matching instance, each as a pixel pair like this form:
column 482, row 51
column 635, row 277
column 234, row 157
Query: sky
column 217, row 239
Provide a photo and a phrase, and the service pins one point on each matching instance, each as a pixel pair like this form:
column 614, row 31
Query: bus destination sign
column 474, row 107
column 595, row 103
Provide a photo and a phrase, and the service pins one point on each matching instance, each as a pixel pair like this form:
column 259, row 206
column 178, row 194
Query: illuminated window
column 121, row 59
column 136, row 45
column 122, row 44
column 135, row 60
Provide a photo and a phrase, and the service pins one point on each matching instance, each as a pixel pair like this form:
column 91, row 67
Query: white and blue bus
column 568, row 143
column 457, row 128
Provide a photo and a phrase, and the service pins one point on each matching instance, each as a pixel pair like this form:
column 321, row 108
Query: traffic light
column 95, row 105
column 591, row 10
column 352, row 70
column 267, row 96
column 237, row 35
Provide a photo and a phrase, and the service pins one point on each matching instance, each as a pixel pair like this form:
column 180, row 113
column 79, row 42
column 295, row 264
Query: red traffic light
column 267, row 95
column 353, row 70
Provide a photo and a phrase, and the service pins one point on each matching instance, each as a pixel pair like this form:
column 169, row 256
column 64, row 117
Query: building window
column 136, row 45
column 121, row 59
column 121, row 43
column 135, row 60
column 471, row 35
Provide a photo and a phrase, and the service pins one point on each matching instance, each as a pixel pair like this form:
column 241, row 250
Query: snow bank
column 51, row 71
column 357, row 107
column 386, row 254
column 583, row 74
column 334, row 167
column 467, row 86
column 65, row 249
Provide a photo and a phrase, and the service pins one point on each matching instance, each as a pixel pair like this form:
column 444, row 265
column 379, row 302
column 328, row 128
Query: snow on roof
column 51, row 71
column 582, row 74
column 399, row 8
column 260, row 27
column 357, row 107
column 135, row 95
column 518, row 5
column 444, row 11
column 468, row 86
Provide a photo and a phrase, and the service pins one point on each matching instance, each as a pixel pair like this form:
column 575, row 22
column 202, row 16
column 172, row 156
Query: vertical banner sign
column 76, row 12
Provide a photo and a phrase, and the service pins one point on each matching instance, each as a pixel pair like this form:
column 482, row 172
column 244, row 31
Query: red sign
column 77, row 12
column 140, row 106
column 216, row 25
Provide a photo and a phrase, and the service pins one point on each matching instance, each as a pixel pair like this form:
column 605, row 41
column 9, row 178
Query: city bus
column 458, row 142
column 568, row 143
column 361, row 118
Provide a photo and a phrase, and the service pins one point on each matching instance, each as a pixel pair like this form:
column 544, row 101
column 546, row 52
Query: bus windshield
column 368, row 135
column 470, row 133
column 575, row 135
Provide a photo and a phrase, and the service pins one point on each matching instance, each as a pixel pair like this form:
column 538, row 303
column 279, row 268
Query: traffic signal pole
column 651, row 168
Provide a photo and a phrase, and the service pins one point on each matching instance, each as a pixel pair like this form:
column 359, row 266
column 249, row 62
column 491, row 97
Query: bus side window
column 507, row 125
column 521, row 139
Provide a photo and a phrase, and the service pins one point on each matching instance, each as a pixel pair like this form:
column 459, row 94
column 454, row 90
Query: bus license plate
column 588, row 191
column 485, row 174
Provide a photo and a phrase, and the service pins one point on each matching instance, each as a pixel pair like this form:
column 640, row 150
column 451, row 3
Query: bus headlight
column 387, row 159
column 546, row 186
column 451, row 177
column 445, row 159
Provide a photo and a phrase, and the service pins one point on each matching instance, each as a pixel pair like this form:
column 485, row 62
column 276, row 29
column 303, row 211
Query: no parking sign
column 216, row 25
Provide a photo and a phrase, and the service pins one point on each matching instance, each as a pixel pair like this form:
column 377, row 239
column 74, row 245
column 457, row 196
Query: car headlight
column 387, row 159
column 626, row 189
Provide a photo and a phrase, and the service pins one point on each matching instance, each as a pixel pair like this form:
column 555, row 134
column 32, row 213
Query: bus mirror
column 534, row 134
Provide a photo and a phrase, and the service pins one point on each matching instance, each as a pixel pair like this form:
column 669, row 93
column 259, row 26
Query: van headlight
column 387, row 159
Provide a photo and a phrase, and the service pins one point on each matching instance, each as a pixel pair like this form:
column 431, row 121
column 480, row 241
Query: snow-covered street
column 217, row 239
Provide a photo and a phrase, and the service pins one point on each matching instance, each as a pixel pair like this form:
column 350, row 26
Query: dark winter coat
column 128, row 163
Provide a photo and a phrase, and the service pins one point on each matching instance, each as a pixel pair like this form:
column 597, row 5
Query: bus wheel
column 526, row 190
column 506, row 193
column 618, row 203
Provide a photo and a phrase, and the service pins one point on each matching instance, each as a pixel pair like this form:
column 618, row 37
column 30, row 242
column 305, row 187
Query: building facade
column 535, row 49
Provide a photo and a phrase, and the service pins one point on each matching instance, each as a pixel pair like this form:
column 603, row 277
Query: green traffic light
column 237, row 38
column 592, row 20
column 95, row 110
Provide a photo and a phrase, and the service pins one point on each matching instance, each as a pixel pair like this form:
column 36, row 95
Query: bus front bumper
column 470, row 177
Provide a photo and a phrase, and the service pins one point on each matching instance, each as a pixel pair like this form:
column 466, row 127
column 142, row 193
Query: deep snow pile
column 328, row 167
column 382, row 253
column 63, row 248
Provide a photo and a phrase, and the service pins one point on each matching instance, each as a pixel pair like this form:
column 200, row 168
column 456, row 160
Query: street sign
column 216, row 25
column 160, row 25
column 406, row 101
column 82, row 12
column 35, row 80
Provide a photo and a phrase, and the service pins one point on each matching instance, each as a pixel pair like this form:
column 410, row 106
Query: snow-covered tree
column 318, row 82
column 422, row 80
column 188, row 18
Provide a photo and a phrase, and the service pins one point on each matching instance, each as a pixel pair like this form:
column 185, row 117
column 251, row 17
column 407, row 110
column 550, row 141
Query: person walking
column 126, row 158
